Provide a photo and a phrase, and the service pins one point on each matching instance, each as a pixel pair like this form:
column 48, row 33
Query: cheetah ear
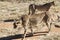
column 52, row 1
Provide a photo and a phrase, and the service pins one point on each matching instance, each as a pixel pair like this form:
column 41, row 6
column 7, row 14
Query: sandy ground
column 6, row 29
column 14, row 10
